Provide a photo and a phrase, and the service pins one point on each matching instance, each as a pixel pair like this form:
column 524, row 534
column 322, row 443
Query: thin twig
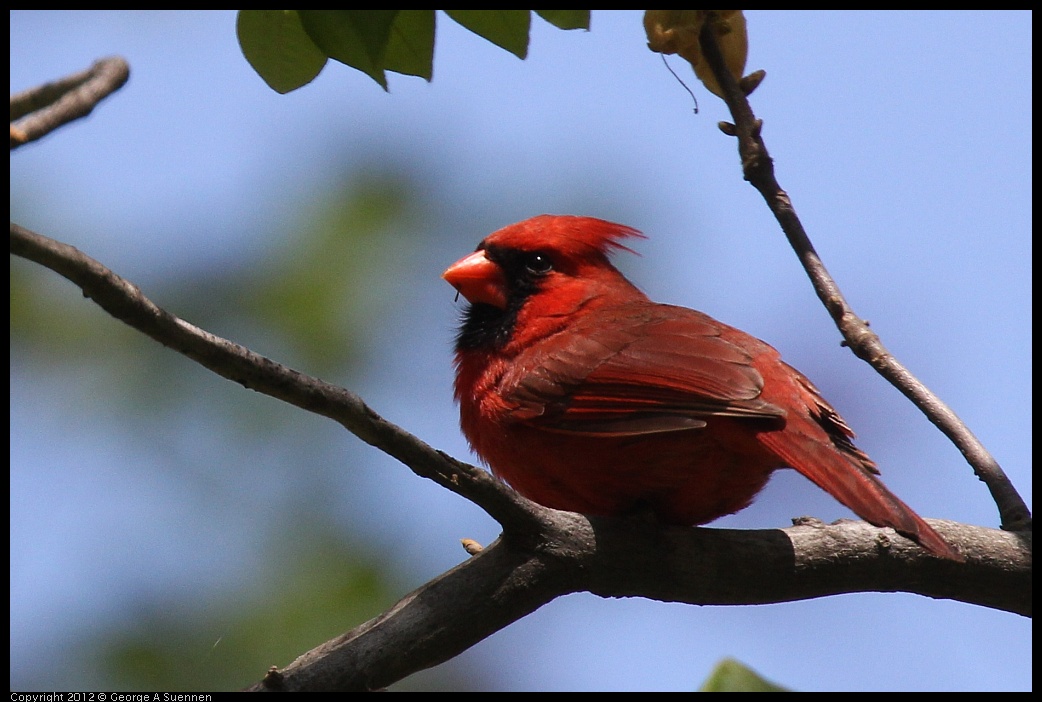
column 43, row 109
column 758, row 168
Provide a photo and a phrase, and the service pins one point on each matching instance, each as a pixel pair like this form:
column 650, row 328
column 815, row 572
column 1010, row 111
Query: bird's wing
column 636, row 369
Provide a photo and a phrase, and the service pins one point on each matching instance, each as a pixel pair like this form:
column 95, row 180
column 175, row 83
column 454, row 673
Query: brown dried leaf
column 676, row 32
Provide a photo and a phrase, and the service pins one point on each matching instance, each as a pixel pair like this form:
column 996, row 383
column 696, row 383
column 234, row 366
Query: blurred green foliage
column 326, row 288
column 310, row 296
column 315, row 586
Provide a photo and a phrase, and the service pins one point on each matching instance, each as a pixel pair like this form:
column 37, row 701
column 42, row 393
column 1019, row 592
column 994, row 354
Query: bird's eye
column 539, row 264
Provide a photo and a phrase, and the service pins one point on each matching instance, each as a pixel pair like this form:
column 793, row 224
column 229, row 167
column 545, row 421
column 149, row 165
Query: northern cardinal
column 584, row 395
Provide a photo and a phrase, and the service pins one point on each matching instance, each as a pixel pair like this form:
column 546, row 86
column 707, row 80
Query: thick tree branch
column 636, row 558
column 758, row 168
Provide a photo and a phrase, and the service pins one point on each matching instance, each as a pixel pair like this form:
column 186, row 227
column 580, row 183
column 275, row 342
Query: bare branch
column 44, row 108
column 125, row 301
column 758, row 168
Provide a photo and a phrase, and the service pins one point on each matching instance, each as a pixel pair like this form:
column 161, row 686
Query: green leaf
column 507, row 29
column 410, row 49
column 288, row 48
column 566, row 19
column 278, row 48
column 730, row 675
column 357, row 38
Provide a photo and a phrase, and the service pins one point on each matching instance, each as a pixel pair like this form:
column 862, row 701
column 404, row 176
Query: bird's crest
column 572, row 236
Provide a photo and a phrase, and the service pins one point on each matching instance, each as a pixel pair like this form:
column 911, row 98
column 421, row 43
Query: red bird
column 584, row 395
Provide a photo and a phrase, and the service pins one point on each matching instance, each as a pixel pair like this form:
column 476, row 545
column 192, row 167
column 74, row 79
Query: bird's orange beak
column 478, row 279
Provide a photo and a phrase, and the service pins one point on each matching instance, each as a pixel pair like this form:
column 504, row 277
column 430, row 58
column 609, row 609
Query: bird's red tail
column 847, row 474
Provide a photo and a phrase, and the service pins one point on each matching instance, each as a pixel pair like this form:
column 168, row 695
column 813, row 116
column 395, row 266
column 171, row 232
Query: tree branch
column 635, row 558
column 125, row 301
column 758, row 168
column 44, row 108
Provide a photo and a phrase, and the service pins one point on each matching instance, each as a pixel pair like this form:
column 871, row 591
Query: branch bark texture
column 634, row 558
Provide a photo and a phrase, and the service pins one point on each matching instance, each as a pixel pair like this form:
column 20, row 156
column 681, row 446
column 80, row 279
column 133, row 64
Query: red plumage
column 584, row 395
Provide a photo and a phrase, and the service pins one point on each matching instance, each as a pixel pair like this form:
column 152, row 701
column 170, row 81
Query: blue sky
column 903, row 138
